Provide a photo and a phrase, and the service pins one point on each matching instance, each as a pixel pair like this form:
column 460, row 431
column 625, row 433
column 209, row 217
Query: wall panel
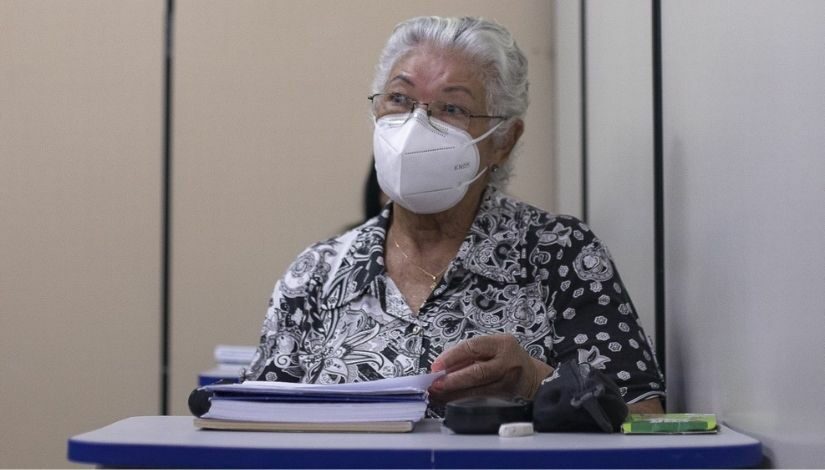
column 744, row 112
column 567, row 142
column 80, row 113
column 620, row 142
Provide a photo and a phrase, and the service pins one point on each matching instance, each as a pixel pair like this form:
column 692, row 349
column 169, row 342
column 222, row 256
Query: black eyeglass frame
column 416, row 103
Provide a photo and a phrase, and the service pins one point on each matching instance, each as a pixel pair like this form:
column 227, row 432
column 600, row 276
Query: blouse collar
column 490, row 249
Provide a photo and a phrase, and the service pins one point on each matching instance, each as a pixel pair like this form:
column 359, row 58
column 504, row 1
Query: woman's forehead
column 428, row 71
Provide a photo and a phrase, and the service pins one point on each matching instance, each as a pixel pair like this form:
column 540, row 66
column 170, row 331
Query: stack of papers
column 227, row 356
column 382, row 405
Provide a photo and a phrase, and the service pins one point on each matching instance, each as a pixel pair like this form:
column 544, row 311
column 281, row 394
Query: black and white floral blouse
column 336, row 316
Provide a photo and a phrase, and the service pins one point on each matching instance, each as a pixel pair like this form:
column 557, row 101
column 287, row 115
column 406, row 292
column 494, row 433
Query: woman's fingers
column 467, row 352
column 498, row 388
column 487, row 365
column 475, row 375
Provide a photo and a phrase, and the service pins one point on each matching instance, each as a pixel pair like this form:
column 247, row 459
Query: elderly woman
column 454, row 274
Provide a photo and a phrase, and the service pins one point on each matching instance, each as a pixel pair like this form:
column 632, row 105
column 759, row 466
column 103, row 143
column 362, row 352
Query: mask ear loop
column 477, row 140
column 483, row 170
column 486, row 134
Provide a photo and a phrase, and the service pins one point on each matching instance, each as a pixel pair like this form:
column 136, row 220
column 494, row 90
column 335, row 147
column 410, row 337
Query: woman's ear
column 509, row 141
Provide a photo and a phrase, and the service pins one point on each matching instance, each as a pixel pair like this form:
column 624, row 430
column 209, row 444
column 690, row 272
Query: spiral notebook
column 386, row 405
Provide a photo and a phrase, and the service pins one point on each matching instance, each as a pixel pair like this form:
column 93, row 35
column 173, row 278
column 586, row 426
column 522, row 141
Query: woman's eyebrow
column 447, row 89
column 404, row 79
column 459, row 88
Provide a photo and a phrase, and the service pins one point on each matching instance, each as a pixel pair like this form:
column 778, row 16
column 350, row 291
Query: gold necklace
column 433, row 277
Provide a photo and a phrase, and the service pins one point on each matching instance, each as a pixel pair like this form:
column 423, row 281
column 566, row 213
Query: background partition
column 744, row 186
column 80, row 167
column 619, row 161
column 744, row 148
column 604, row 134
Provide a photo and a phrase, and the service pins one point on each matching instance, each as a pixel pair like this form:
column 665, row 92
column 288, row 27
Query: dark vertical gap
column 167, row 208
column 658, row 183
column 583, row 91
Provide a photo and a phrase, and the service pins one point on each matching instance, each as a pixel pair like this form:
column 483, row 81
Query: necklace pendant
column 434, row 283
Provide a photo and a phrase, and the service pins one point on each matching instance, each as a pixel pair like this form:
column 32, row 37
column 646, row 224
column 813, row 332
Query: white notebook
column 397, row 399
column 298, row 412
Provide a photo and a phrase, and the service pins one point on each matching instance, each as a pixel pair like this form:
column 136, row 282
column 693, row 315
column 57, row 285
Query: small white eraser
column 515, row 429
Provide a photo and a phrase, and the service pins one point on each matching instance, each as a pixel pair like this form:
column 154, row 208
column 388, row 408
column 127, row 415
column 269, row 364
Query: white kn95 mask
column 426, row 168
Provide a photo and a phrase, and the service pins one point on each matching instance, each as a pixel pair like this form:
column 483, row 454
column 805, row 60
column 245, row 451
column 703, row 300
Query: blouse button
column 416, row 330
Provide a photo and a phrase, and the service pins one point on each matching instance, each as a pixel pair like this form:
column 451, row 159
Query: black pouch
column 484, row 415
column 578, row 398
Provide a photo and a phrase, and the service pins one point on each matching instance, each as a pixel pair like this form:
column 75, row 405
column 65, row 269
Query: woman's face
column 427, row 75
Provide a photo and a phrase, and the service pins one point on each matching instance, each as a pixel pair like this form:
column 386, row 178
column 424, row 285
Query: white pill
column 515, row 429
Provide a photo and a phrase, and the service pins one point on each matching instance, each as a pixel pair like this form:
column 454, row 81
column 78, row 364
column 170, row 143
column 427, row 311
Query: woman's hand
column 487, row 366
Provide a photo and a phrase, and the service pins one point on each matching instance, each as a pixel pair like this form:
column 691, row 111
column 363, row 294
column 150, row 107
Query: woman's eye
column 453, row 110
column 399, row 100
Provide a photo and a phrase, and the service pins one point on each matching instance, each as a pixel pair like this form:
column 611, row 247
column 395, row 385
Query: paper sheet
column 408, row 384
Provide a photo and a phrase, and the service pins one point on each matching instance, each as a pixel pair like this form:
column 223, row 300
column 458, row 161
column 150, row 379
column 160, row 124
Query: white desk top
column 176, row 442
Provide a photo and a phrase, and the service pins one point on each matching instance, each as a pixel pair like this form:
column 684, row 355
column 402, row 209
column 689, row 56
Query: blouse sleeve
column 278, row 355
column 596, row 321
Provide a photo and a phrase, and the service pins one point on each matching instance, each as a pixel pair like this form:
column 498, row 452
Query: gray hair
column 503, row 65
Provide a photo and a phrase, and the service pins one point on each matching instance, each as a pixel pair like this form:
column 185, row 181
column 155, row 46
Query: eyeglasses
column 384, row 104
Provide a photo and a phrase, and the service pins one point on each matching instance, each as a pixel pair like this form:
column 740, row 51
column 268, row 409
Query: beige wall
column 272, row 143
column 80, row 103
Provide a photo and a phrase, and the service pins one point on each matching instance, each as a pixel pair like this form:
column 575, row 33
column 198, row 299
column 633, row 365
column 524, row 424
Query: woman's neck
column 419, row 248
column 422, row 232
